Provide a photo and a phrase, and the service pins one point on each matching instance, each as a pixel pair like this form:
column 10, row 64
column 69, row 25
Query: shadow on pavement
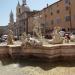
column 37, row 62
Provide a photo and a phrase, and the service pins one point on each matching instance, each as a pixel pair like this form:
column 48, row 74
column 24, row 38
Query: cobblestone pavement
column 37, row 68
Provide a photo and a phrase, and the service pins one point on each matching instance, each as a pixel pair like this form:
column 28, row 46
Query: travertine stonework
column 51, row 52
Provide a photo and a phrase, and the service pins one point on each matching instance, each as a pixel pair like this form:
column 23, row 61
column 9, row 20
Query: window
column 52, row 22
column 67, row 8
column 19, row 10
column 58, row 20
column 24, row 23
column 57, row 5
column 24, row 28
column 58, row 11
column 73, row 17
column 42, row 25
column 51, row 13
column 67, row 18
column 45, row 15
column 66, row 1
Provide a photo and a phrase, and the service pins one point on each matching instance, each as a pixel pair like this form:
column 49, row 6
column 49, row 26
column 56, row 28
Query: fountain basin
column 66, row 51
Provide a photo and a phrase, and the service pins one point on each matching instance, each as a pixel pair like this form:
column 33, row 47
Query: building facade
column 61, row 13
column 22, row 14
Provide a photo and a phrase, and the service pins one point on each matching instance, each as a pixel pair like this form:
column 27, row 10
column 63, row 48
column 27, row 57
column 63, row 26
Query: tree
column 1, row 31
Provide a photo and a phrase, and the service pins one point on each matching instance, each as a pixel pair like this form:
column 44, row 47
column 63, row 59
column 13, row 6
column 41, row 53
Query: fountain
column 39, row 46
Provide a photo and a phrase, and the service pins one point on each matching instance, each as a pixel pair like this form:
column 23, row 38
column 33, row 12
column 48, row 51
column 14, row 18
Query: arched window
column 19, row 10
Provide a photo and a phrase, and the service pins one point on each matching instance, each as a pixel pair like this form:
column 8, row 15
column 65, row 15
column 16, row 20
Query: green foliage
column 1, row 32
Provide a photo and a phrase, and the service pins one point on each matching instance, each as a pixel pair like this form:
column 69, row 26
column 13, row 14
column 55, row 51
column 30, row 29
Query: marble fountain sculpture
column 10, row 38
column 30, row 41
column 39, row 46
column 57, row 39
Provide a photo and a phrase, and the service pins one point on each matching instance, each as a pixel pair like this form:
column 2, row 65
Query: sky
column 7, row 5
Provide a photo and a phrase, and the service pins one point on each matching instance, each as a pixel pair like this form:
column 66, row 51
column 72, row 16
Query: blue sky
column 7, row 5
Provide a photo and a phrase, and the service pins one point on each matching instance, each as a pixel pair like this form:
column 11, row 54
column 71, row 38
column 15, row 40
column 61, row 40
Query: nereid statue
column 57, row 39
column 10, row 37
